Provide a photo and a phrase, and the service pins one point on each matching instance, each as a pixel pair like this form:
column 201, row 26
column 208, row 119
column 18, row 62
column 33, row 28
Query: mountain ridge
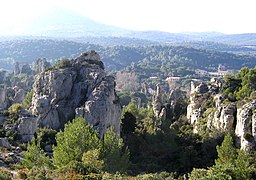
column 63, row 23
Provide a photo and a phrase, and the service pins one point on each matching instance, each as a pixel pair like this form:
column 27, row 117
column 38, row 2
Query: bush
column 74, row 176
column 74, row 167
column 15, row 109
column 63, row 63
column 35, row 157
column 23, row 174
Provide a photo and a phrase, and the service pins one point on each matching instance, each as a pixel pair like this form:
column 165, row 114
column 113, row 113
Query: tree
column 28, row 99
column 115, row 155
column 35, row 156
column 226, row 152
column 77, row 138
column 244, row 166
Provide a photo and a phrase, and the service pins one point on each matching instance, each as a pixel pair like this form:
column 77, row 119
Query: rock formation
column 246, row 125
column 222, row 116
column 158, row 108
column 40, row 65
column 80, row 87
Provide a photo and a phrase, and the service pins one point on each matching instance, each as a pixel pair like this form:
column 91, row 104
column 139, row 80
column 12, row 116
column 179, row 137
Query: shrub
column 74, row 167
column 63, row 63
column 15, row 108
column 23, row 174
column 74, row 176
column 35, row 157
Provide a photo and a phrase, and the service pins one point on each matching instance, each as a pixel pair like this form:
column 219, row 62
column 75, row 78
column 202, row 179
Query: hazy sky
column 227, row 16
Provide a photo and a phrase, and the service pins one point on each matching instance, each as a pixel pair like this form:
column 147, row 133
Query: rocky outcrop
column 223, row 118
column 26, row 128
column 205, row 102
column 41, row 65
column 5, row 143
column 246, row 125
column 158, row 104
column 80, row 87
column 194, row 111
column 3, row 98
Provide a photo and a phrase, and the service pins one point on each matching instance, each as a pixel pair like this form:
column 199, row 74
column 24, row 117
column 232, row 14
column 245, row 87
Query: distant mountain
column 236, row 39
column 65, row 23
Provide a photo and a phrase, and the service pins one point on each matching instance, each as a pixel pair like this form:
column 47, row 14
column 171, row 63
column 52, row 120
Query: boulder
column 27, row 128
column 5, row 143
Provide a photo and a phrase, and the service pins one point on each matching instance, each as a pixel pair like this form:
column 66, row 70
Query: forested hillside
column 121, row 56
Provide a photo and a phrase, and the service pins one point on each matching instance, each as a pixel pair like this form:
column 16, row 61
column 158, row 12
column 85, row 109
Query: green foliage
column 231, row 164
column 92, row 162
column 132, row 108
column 198, row 174
column 73, row 167
column 28, row 99
column 45, row 136
column 62, row 63
column 115, row 154
column 240, row 86
column 77, row 138
column 15, row 109
column 35, row 156
column 227, row 153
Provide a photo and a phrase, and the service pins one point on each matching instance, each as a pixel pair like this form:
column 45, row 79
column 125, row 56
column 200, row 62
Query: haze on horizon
column 226, row 16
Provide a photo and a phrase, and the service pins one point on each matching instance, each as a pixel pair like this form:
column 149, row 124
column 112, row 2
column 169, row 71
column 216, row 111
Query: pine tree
column 115, row 155
column 77, row 138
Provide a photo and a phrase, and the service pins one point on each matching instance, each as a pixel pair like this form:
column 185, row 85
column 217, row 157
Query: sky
column 226, row 16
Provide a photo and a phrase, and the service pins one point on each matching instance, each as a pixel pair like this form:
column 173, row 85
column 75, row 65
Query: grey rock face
column 246, row 125
column 223, row 118
column 27, row 128
column 158, row 104
column 40, row 65
column 26, row 69
column 3, row 98
column 80, row 89
column 4, row 143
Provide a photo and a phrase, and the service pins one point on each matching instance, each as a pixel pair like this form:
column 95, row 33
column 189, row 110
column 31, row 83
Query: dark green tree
column 77, row 138
column 115, row 154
